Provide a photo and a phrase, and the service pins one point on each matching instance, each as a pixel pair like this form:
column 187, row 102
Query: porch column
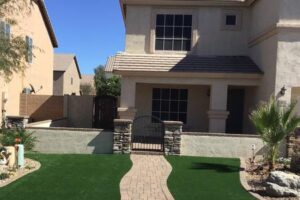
column 218, row 113
column 127, row 108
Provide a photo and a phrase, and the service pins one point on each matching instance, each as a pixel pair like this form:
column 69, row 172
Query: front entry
column 148, row 134
column 235, row 105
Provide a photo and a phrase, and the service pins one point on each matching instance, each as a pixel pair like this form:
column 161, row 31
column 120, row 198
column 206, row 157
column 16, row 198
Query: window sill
column 173, row 52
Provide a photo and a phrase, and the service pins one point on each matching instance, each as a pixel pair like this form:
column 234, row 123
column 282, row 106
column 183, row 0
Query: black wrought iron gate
column 148, row 134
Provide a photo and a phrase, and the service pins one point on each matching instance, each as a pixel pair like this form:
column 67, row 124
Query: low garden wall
column 72, row 141
column 221, row 145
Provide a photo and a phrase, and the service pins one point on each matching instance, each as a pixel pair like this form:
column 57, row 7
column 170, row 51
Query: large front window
column 170, row 104
column 173, row 32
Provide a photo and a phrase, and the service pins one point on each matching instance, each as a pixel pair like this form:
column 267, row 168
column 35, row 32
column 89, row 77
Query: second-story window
column 29, row 45
column 173, row 32
column 5, row 29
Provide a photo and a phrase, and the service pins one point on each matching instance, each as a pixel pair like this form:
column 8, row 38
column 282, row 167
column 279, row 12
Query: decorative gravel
column 30, row 166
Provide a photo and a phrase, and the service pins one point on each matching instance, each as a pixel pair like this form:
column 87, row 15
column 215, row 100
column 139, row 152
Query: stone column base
column 172, row 138
column 127, row 113
column 122, row 136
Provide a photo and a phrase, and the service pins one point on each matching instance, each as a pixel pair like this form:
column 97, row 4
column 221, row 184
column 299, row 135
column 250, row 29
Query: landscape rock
column 275, row 190
column 283, row 179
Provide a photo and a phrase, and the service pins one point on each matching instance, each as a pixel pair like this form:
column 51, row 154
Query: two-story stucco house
column 37, row 30
column 66, row 75
column 207, row 63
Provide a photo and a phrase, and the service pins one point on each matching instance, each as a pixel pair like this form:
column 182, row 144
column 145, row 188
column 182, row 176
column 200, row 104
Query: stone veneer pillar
column 172, row 138
column 122, row 136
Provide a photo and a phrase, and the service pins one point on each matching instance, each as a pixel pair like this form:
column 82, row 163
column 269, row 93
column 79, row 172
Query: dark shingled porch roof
column 182, row 63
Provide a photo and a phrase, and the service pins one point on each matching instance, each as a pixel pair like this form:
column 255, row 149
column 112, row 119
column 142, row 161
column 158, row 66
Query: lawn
column 64, row 177
column 206, row 178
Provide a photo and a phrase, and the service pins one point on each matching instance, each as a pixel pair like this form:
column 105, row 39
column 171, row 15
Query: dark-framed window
column 5, row 29
column 231, row 20
column 170, row 104
column 173, row 32
column 29, row 45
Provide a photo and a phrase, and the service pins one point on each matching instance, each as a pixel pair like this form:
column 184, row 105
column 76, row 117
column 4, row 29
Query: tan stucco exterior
column 39, row 73
column 269, row 35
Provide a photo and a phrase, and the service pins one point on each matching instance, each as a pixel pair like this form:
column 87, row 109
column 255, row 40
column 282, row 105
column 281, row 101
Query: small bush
column 4, row 176
column 8, row 138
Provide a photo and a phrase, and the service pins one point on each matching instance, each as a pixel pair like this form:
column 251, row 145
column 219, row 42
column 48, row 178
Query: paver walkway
column 147, row 179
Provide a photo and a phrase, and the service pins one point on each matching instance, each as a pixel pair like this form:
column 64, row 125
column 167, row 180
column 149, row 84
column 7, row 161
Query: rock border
column 244, row 182
column 21, row 174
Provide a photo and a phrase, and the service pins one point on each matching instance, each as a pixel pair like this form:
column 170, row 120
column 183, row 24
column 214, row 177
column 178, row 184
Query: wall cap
column 129, row 121
column 173, row 123
column 68, row 129
column 220, row 135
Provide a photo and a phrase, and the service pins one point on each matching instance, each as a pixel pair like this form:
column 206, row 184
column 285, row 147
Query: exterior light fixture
column 283, row 90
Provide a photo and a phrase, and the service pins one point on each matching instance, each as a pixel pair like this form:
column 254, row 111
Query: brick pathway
column 147, row 179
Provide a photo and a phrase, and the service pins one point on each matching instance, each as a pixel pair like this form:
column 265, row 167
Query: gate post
column 122, row 136
column 172, row 138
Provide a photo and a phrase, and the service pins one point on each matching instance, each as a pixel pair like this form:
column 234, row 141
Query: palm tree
column 273, row 123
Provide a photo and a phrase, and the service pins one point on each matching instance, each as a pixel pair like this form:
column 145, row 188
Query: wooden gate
column 105, row 111
column 148, row 134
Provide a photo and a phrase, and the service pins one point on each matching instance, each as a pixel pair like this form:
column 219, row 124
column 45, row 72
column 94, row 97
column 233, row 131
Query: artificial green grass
column 206, row 179
column 71, row 177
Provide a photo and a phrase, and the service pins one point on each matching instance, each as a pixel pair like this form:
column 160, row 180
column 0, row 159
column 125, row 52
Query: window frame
column 5, row 29
column 165, row 26
column 173, row 11
column 181, row 104
column 29, row 46
column 238, row 22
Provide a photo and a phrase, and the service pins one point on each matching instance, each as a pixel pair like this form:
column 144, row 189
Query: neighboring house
column 87, row 80
column 35, row 26
column 208, row 63
column 66, row 75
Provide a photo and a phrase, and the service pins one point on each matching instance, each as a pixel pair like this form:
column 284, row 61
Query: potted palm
column 274, row 123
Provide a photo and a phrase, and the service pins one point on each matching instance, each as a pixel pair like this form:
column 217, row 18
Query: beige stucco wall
column 210, row 38
column 40, row 71
column 58, row 83
column 70, row 73
column 264, row 54
column 264, row 14
column 220, row 146
column 288, row 62
column 296, row 98
column 289, row 11
column 198, row 104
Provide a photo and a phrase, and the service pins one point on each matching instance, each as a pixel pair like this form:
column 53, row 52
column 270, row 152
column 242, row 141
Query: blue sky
column 91, row 29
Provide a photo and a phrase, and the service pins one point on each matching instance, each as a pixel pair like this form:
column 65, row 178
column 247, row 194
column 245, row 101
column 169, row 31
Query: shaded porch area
column 215, row 107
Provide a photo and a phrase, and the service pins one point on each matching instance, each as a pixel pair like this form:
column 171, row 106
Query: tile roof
column 183, row 63
column 109, row 67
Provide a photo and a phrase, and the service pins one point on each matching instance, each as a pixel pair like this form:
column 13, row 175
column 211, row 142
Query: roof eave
column 47, row 21
column 77, row 66
column 237, row 75
column 244, row 3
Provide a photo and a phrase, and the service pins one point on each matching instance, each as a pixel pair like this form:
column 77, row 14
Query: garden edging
column 21, row 175
column 244, row 182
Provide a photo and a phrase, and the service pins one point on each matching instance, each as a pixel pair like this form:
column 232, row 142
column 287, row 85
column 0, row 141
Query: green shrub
column 274, row 123
column 4, row 176
column 8, row 137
